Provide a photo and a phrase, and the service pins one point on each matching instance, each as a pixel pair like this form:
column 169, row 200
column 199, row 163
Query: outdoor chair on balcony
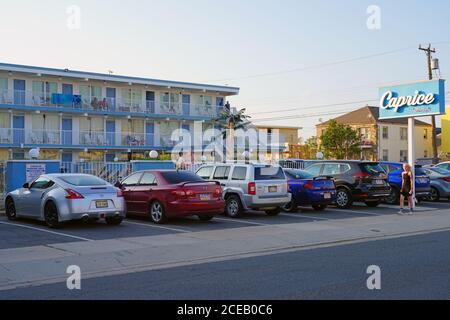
column 51, row 138
column 101, row 140
column 87, row 139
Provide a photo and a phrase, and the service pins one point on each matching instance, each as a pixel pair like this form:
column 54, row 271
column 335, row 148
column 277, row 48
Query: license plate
column 378, row 182
column 205, row 197
column 327, row 195
column 273, row 189
column 101, row 203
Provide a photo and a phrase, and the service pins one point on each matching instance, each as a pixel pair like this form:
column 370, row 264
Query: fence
column 109, row 171
column 2, row 183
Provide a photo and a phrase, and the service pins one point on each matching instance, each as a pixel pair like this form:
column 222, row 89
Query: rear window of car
column 239, row 173
column 420, row 172
column 440, row 170
column 371, row 168
column 81, row 181
column 205, row 172
column 174, row 177
column 269, row 173
column 298, row 174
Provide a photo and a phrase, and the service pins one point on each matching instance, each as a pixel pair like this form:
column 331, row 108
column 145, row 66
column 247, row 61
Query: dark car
column 394, row 171
column 308, row 190
column 355, row 181
column 161, row 194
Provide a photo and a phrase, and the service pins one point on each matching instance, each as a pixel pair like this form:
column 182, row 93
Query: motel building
column 76, row 116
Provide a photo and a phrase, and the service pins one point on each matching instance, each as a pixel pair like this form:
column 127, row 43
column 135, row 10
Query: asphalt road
column 416, row 267
column 26, row 233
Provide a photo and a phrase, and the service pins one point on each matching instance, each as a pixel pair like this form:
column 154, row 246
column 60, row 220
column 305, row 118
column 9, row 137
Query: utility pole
column 429, row 51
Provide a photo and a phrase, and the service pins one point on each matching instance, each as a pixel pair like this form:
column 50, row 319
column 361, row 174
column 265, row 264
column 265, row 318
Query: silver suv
column 249, row 186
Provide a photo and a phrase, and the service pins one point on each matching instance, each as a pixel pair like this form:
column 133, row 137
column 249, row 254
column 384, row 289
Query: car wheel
column 51, row 215
column 233, row 206
column 205, row 218
column 393, row 197
column 434, row 195
column 10, row 209
column 273, row 212
column 343, row 198
column 114, row 221
column 291, row 206
column 319, row 207
column 157, row 213
column 372, row 204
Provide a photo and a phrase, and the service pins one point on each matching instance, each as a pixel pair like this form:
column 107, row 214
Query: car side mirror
column 118, row 184
column 26, row 185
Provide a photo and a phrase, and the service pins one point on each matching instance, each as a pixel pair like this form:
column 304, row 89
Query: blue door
column 110, row 133
column 149, row 134
column 109, row 157
column 150, row 101
column 111, row 98
column 219, row 105
column 66, row 133
column 186, row 127
column 19, row 92
column 18, row 129
column 67, row 89
column 186, row 101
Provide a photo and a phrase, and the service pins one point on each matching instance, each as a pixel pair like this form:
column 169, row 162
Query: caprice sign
column 412, row 100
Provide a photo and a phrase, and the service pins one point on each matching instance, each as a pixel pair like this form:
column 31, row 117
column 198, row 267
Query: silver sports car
column 440, row 183
column 55, row 198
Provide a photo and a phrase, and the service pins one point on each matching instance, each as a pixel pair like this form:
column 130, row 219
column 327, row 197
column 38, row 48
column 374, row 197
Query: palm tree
column 229, row 121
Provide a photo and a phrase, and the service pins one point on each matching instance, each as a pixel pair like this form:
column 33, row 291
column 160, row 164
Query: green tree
column 309, row 148
column 340, row 141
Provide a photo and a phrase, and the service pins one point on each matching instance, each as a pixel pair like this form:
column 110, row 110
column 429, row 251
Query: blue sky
column 239, row 43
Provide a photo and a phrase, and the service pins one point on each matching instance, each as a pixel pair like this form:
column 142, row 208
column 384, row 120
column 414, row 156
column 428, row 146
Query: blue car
column 308, row 190
column 394, row 171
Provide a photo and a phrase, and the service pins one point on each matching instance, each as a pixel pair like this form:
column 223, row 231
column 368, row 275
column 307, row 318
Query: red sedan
column 162, row 194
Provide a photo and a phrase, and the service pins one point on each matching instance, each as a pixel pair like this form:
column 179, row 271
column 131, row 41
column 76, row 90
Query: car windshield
column 440, row 171
column 420, row 172
column 371, row 168
column 298, row 174
column 174, row 177
column 269, row 173
column 82, row 181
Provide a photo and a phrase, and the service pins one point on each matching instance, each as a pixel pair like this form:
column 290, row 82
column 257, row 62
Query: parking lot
column 27, row 233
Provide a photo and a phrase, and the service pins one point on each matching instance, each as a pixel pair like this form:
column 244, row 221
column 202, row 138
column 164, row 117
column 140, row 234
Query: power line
column 275, row 73
column 302, row 116
column 318, row 106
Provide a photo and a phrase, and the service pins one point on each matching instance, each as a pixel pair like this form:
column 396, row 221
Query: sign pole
column 411, row 156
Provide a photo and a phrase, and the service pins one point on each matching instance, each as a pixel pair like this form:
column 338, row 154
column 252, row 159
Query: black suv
column 355, row 181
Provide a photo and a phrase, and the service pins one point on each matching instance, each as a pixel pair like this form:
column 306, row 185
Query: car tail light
column 119, row 193
column 189, row 193
column 218, row 192
column 252, row 188
column 179, row 193
column 308, row 185
column 447, row 179
column 71, row 194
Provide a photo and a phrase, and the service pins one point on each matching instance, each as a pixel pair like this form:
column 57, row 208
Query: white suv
column 249, row 186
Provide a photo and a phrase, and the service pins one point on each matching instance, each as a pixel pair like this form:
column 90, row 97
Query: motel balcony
column 66, row 102
column 66, row 138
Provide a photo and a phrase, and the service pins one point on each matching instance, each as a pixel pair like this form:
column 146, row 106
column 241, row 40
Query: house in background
column 384, row 139
column 288, row 142
column 445, row 135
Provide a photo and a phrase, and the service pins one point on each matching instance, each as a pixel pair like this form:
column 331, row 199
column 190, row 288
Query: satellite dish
column 34, row 153
column 153, row 154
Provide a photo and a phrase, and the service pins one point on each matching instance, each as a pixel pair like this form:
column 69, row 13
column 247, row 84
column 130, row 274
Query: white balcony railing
column 99, row 103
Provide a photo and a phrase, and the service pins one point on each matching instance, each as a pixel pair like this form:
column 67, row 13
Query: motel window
column 385, row 155
column 131, row 98
column 42, row 91
column 403, row 155
column 91, row 96
column 385, row 132
column 425, row 133
column 403, row 133
column 3, row 89
column 364, row 132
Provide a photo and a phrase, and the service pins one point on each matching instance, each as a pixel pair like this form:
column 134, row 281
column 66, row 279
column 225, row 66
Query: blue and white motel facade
column 75, row 116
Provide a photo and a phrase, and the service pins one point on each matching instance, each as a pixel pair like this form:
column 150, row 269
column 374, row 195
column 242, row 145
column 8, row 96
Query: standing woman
column 407, row 189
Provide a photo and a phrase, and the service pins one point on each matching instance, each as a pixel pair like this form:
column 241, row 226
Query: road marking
column 242, row 221
column 303, row 216
column 359, row 212
column 157, row 226
column 44, row 230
